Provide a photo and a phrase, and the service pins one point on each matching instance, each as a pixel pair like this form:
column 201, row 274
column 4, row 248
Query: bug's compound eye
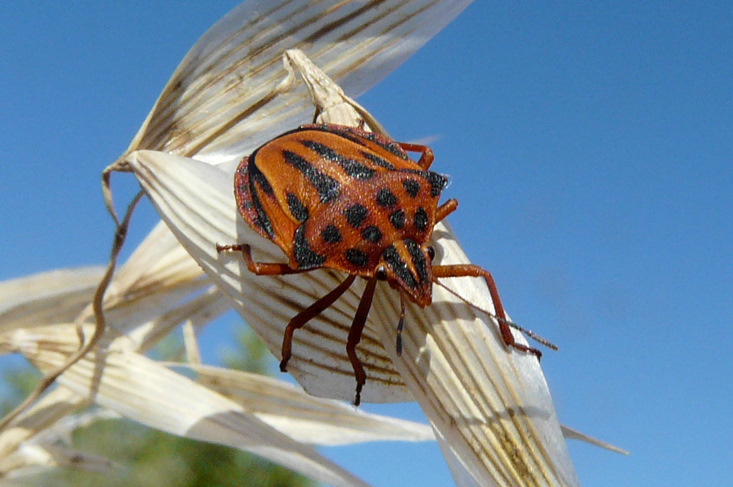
column 431, row 252
column 381, row 273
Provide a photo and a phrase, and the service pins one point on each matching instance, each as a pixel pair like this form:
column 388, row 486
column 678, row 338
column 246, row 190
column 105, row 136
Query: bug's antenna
column 400, row 325
column 527, row 332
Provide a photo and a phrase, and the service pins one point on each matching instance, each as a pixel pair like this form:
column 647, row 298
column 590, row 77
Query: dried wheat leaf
column 304, row 417
column 41, row 415
column 219, row 103
column 157, row 263
column 147, row 392
column 31, row 458
column 49, row 297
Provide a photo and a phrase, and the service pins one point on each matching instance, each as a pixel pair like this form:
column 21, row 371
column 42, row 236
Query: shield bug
column 346, row 199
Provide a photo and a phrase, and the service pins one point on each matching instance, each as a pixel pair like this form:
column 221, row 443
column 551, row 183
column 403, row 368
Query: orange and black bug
column 346, row 199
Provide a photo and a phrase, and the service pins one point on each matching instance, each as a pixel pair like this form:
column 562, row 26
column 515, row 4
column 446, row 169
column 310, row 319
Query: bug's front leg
column 426, row 153
column 445, row 209
column 470, row 270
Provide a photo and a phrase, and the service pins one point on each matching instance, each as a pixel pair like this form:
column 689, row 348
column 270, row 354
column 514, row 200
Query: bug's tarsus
column 357, row 326
column 229, row 248
column 400, row 325
column 309, row 313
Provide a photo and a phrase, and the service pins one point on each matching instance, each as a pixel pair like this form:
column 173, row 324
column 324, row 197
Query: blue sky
column 590, row 149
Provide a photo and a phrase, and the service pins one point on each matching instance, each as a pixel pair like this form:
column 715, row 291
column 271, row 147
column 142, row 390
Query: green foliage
column 20, row 383
column 149, row 458
column 250, row 355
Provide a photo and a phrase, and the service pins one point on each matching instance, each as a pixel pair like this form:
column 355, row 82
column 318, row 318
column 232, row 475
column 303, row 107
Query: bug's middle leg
column 307, row 314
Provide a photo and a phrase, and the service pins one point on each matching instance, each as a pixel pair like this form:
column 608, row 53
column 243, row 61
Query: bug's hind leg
column 309, row 313
column 470, row 270
column 355, row 336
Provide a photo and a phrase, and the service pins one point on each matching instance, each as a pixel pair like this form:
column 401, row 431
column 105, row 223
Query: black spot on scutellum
column 397, row 219
column 371, row 234
column 421, row 219
column 355, row 215
column 412, row 186
column 386, row 198
column 331, row 234
column 356, row 257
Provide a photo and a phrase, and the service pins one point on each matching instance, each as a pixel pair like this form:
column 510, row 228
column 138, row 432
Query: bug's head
column 407, row 267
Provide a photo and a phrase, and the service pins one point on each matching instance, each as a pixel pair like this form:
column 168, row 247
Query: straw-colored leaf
column 155, row 279
column 49, row 297
column 41, row 415
column 32, row 458
column 219, row 103
column 150, row 295
column 157, row 263
column 147, row 392
column 304, row 417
